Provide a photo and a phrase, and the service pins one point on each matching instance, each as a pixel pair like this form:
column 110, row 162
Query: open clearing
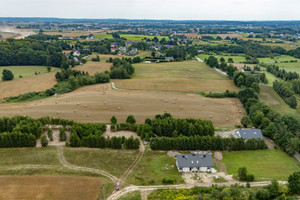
column 25, row 71
column 50, row 187
column 93, row 67
column 115, row 162
column 153, row 167
column 264, row 164
column 28, row 84
column 290, row 67
column 189, row 76
column 271, row 98
column 102, row 103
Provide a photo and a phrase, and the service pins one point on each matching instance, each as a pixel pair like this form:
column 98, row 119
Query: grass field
column 279, row 59
column 271, row 78
column 236, row 57
column 94, row 67
column 290, row 67
column 28, row 156
column 131, row 37
column 102, row 103
column 25, row 71
column 189, row 76
column 115, row 162
column 51, row 187
column 153, row 167
column 136, row 195
column 285, row 45
column 28, row 84
column 264, row 164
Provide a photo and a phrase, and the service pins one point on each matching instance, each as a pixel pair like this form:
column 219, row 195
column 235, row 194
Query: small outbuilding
column 194, row 162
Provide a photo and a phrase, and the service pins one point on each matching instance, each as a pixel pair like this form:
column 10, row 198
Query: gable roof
column 250, row 133
column 194, row 160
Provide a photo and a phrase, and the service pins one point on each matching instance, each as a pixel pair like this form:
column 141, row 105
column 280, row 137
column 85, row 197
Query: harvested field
column 189, row 76
column 231, row 35
column 28, row 84
column 50, row 187
column 74, row 33
column 102, row 103
column 94, row 67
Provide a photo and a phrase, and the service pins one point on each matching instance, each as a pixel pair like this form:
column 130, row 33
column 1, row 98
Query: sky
column 154, row 9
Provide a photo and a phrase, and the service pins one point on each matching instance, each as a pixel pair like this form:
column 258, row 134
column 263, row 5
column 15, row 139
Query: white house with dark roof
column 248, row 133
column 194, row 162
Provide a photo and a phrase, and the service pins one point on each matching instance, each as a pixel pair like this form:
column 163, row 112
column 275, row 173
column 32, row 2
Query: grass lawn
column 115, row 162
column 264, row 164
column 272, row 99
column 153, row 167
column 25, row 71
column 136, row 195
column 28, row 156
column 188, row 76
column 131, row 36
column 271, row 78
column 236, row 57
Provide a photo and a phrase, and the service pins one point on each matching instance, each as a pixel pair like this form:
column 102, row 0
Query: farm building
column 194, row 162
column 248, row 133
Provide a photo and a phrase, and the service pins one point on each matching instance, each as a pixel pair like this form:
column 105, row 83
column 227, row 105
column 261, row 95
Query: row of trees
column 213, row 62
column 281, row 73
column 205, row 143
column 98, row 141
column 121, row 69
column 283, row 89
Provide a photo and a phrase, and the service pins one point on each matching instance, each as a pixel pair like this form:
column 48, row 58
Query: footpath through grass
column 263, row 164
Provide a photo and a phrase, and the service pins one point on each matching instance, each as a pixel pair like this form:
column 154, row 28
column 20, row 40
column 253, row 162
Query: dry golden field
column 50, row 187
column 98, row 103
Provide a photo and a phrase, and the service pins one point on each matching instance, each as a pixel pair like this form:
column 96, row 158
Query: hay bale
column 166, row 101
column 175, row 98
column 210, row 116
column 202, row 104
column 161, row 99
column 119, row 108
column 57, row 112
column 240, row 111
column 75, row 111
column 85, row 106
column 78, row 104
column 104, row 102
column 55, row 102
column 227, row 119
column 87, row 115
column 22, row 109
column 174, row 102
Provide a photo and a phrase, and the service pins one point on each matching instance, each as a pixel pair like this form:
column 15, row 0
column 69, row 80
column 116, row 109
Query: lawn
column 115, row 162
column 28, row 156
column 131, row 36
column 188, row 76
column 270, row 77
column 263, row 164
column 25, row 71
column 153, row 167
column 136, row 195
column 272, row 99
column 237, row 58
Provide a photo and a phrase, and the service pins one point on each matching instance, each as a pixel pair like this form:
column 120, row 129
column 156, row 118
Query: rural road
column 224, row 73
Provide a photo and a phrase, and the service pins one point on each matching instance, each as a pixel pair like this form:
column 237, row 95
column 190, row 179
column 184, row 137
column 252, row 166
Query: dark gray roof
column 250, row 133
column 194, row 160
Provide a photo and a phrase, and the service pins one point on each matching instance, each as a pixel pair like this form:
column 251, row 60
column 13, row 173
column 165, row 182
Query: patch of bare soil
column 218, row 155
column 269, row 143
column 172, row 153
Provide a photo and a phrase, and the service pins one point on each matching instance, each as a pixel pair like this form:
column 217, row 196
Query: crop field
column 115, row 162
column 153, row 167
column 285, row 45
column 263, row 164
column 27, row 84
column 236, row 57
column 51, row 187
column 131, row 37
column 189, row 76
column 271, row 98
column 102, row 103
column 25, row 71
column 231, row 35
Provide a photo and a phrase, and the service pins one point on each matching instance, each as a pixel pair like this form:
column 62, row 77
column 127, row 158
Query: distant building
column 248, row 134
column 76, row 53
column 158, row 54
column 169, row 59
column 194, row 162
column 122, row 49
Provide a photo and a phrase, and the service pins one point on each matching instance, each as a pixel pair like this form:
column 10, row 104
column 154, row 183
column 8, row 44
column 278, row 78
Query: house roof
column 194, row 160
column 250, row 133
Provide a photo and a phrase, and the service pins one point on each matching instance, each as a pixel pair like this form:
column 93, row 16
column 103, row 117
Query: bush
column 130, row 119
column 7, row 75
column 168, row 181
column 62, row 134
column 44, row 141
column 50, row 134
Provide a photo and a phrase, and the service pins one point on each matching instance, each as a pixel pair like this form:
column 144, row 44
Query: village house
column 76, row 53
column 194, row 162
column 159, row 54
column 248, row 134
column 168, row 59
column 122, row 48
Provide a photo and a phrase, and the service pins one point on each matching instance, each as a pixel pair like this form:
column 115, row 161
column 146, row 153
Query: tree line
column 283, row 89
column 121, row 69
column 206, row 143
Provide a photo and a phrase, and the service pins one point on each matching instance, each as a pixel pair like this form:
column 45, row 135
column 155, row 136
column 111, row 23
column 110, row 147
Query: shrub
column 44, row 141
column 62, row 134
column 50, row 134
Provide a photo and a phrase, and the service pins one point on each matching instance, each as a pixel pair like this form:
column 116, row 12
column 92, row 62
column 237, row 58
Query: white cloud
column 155, row 9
